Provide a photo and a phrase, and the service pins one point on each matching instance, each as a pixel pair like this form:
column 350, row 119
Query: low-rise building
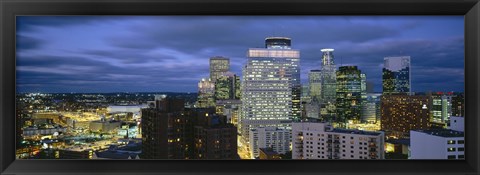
column 437, row 144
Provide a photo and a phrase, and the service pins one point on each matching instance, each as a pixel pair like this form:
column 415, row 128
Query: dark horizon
column 101, row 54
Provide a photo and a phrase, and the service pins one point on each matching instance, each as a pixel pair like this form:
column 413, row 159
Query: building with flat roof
column 271, row 88
column 319, row 140
column 269, row 137
column 437, row 144
column 401, row 113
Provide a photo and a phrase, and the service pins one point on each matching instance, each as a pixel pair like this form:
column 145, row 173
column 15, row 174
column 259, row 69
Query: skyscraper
column 218, row 66
column 227, row 87
column 206, row 93
column 270, row 81
column 371, row 108
column 328, row 84
column 349, row 95
column 315, row 85
column 396, row 75
column 328, row 78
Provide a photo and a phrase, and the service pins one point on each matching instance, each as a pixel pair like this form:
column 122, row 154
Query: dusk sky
column 171, row 53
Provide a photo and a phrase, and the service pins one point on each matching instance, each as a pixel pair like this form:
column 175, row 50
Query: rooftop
column 443, row 132
column 351, row 131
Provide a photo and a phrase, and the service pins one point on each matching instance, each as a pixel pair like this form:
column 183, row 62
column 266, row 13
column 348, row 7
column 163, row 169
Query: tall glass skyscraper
column 349, row 95
column 218, row 66
column 227, row 87
column 328, row 85
column 396, row 75
column 315, row 85
column 329, row 80
column 270, row 87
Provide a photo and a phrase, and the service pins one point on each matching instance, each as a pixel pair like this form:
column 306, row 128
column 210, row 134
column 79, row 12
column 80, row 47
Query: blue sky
column 171, row 53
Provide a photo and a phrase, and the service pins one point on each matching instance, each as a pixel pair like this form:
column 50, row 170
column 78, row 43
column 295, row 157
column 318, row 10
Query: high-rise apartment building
column 271, row 87
column 349, row 95
column 401, row 113
column 167, row 131
column 269, row 137
column 214, row 138
column 318, row 140
column 315, row 85
column 396, row 75
column 218, row 66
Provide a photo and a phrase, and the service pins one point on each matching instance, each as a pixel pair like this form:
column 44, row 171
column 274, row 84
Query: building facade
column 318, row 140
column 271, row 87
column 329, row 85
column 167, row 131
column 215, row 138
column 402, row 113
column 349, row 95
column 218, row 66
column 396, row 75
column 206, row 93
column 227, row 87
column 272, row 138
column 315, row 85
column 371, row 108
column 437, row 144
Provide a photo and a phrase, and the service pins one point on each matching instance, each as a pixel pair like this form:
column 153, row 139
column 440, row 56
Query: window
column 461, row 142
column 451, row 142
column 461, row 149
column 451, row 149
column 451, row 157
column 461, row 156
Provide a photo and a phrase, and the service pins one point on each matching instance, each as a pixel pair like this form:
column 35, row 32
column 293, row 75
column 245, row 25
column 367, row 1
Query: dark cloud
column 25, row 42
column 171, row 53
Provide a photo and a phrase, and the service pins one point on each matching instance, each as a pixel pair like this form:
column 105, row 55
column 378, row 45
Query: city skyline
column 146, row 54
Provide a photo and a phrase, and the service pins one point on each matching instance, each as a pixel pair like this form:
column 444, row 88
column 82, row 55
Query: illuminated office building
column 441, row 108
column 227, row 87
column 371, row 108
column 396, row 75
column 328, row 85
column 401, row 113
column 349, row 95
column 206, row 93
column 218, row 66
column 328, row 77
column 271, row 87
column 318, row 140
column 315, row 85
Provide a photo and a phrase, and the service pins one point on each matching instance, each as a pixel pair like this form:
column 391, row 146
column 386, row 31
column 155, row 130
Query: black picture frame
column 11, row 8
